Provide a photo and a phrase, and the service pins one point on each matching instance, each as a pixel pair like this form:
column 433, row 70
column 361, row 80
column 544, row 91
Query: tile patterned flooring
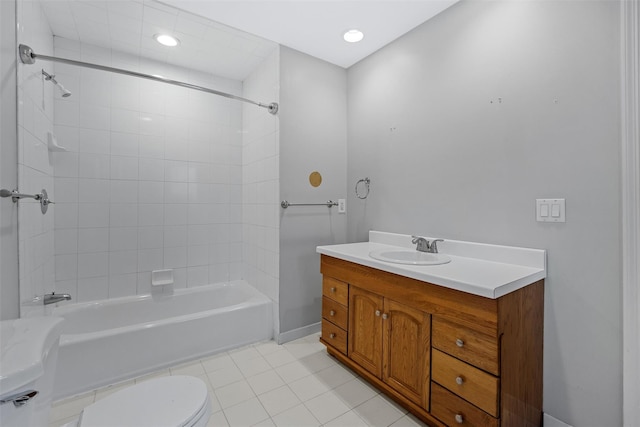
column 265, row 384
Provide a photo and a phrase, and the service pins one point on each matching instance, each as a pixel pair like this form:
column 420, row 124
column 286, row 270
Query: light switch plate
column 550, row 210
column 342, row 206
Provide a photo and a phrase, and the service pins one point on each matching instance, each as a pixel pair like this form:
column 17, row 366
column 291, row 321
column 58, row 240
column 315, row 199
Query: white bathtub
column 107, row 341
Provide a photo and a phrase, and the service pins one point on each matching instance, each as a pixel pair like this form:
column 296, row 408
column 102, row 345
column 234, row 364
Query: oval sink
column 410, row 257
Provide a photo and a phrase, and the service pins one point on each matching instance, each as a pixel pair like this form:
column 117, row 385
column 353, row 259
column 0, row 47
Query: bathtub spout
column 53, row 298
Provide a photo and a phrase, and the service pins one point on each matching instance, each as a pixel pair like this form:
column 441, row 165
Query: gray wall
column 9, row 293
column 465, row 121
column 313, row 137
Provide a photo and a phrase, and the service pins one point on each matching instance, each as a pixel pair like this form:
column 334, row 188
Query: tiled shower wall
column 261, row 183
column 152, row 178
column 35, row 170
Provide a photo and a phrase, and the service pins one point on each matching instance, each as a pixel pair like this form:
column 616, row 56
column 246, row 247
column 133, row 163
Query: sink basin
column 410, row 257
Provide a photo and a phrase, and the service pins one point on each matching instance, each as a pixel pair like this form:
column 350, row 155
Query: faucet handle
column 434, row 245
column 414, row 239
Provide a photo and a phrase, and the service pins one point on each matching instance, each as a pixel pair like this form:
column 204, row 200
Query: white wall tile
column 124, row 238
column 93, row 240
column 150, row 259
column 135, row 191
column 150, row 237
column 124, row 167
column 176, row 192
column 123, row 215
column 93, row 264
column 95, row 117
column 123, row 191
column 122, row 285
column 152, row 146
column 175, row 257
column 93, row 215
column 151, row 214
column 150, row 191
column 93, row 190
column 93, row 288
column 122, row 262
column 94, row 141
column 175, row 214
column 93, row 165
column 66, row 241
column 151, row 169
column 125, row 144
column 175, row 235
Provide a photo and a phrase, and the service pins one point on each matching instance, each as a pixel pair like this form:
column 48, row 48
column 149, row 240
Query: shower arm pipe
column 28, row 56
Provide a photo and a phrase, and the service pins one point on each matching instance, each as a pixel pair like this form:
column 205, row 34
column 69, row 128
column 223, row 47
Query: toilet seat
column 175, row 401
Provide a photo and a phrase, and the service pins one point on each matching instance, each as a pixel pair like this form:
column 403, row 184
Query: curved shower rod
column 28, row 56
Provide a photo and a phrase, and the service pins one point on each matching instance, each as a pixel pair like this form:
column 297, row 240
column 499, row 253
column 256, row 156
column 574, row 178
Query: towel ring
column 366, row 182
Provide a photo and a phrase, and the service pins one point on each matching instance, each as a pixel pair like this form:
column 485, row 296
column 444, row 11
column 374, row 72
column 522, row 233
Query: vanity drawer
column 336, row 290
column 334, row 312
column 454, row 411
column 334, row 336
column 468, row 382
column 466, row 344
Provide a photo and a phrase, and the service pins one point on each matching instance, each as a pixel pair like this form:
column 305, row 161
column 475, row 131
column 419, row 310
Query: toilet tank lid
column 171, row 401
column 24, row 346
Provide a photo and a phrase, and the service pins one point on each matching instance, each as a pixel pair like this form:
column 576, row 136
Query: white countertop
column 486, row 270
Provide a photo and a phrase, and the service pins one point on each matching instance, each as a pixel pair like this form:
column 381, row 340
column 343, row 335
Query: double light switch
column 550, row 210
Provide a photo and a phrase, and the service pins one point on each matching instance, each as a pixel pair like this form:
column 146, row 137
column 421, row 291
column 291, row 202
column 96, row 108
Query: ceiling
column 229, row 38
column 316, row 27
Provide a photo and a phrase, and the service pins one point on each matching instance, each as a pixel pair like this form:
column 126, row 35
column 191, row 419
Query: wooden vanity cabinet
column 388, row 339
column 450, row 357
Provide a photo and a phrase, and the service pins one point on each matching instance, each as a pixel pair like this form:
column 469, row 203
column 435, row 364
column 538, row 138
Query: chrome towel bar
column 329, row 203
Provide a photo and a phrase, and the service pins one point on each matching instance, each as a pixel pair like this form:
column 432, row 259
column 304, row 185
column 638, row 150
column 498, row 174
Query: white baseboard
column 549, row 421
column 285, row 337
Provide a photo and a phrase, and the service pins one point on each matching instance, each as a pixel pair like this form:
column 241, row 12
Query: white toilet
column 29, row 350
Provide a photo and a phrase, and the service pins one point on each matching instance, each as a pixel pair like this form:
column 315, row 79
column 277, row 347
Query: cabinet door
column 406, row 345
column 365, row 329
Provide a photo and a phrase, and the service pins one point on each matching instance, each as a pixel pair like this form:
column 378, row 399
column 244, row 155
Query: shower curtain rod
column 28, row 56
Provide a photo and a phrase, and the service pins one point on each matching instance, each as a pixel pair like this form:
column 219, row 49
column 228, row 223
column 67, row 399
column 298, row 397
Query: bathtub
column 104, row 342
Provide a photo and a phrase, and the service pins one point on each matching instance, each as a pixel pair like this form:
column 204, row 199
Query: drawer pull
column 332, row 335
column 459, row 380
column 333, row 290
column 378, row 313
column 459, row 343
column 332, row 313
column 385, row 316
column 459, row 419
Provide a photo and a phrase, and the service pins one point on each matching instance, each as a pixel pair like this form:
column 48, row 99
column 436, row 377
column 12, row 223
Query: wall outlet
column 342, row 206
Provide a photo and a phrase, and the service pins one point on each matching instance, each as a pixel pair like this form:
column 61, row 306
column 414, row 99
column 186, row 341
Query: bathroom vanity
column 458, row 343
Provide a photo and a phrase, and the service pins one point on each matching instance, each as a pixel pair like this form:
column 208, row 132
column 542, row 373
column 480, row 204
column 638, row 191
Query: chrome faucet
column 53, row 298
column 423, row 245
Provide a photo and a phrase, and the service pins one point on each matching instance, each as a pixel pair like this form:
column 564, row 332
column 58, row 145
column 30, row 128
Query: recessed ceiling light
column 353, row 36
column 166, row 40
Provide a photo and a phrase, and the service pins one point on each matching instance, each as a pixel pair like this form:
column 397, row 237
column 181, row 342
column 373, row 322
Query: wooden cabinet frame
column 507, row 343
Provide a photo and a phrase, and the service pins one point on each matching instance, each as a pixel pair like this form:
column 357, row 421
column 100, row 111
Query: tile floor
column 265, row 384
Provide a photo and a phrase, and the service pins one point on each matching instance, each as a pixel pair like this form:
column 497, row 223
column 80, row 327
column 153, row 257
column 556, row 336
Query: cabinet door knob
column 333, row 290
column 459, row 419
column 378, row 313
column 332, row 313
column 332, row 335
column 459, row 380
column 459, row 343
column 385, row 316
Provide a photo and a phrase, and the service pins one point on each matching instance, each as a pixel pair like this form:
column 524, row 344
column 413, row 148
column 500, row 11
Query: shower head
column 52, row 79
column 65, row 92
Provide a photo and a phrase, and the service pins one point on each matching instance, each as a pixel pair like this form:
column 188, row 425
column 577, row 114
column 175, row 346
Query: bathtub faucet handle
column 53, row 298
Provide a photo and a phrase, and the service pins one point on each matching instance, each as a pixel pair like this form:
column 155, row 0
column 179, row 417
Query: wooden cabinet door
column 406, row 358
column 365, row 329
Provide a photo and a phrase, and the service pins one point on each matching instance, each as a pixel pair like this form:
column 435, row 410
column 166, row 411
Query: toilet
column 29, row 349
